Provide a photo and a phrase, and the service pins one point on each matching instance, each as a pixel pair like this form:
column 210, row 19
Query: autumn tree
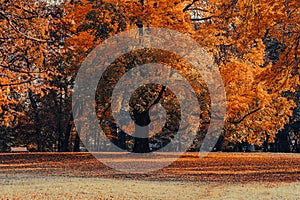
column 255, row 44
column 32, row 38
column 99, row 20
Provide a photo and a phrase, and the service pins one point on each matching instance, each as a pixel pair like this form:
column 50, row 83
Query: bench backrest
column 19, row 149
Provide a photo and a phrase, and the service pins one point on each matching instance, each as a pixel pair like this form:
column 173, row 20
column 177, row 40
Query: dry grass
column 51, row 187
column 216, row 176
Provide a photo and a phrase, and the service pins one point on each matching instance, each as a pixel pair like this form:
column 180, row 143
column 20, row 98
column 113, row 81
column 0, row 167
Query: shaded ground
column 215, row 167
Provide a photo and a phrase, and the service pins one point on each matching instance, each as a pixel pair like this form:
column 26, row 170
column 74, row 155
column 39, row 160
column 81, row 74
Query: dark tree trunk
column 141, row 141
column 141, row 145
column 77, row 143
column 36, row 120
column 142, row 120
column 67, row 134
column 122, row 140
column 59, row 128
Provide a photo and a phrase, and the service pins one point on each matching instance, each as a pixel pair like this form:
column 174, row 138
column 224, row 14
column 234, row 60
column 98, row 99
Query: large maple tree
column 256, row 44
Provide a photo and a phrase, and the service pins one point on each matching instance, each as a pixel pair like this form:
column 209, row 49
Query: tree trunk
column 122, row 140
column 59, row 128
column 36, row 120
column 142, row 120
column 67, row 134
column 141, row 141
column 77, row 144
column 141, row 145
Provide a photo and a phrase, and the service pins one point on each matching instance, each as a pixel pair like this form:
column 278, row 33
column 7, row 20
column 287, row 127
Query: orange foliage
column 233, row 32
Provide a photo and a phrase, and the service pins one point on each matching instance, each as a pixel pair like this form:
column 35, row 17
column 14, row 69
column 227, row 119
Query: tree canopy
column 255, row 45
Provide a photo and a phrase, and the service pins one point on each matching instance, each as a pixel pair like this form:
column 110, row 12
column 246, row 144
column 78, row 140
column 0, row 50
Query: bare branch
column 199, row 9
column 18, row 31
column 244, row 117
column 16, row 83
column 296, row 53
column 189, row 5
column 18, row 70
column 202, row 19
column 159, row 96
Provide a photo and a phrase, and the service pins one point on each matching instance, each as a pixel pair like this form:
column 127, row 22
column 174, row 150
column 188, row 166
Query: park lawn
column 216, row 176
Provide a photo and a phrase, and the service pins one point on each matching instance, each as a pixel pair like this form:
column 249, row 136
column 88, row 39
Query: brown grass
column 216, row 176
column 215, row 167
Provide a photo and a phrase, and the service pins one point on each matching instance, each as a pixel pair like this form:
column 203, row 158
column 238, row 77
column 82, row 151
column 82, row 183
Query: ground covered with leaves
column 216, row 176
column 215, row 167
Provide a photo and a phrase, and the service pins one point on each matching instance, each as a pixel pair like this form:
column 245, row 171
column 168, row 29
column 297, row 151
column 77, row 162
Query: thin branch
column 189, row 5
column 202, row 19
column 17, row 30
column 7, row 38
column 32, row 12
column 16, row 83
column 159, row 95
column 296, row 53
column 19, row 70
column 244, row 117
column 199, row 9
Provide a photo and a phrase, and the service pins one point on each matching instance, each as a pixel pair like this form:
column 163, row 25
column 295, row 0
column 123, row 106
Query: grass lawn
column 216, row 176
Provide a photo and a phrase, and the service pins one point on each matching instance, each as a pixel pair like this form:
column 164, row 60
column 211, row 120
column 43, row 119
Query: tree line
column 255, row 45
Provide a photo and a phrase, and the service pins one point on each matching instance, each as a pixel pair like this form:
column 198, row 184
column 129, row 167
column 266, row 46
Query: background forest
column 254, row 43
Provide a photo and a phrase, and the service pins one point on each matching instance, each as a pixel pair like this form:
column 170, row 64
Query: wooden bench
column 18, row 149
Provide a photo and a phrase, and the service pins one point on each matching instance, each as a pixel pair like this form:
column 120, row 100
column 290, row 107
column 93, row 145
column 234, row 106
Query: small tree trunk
column 77, row 143
column 67, row 134
column 36, row 120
